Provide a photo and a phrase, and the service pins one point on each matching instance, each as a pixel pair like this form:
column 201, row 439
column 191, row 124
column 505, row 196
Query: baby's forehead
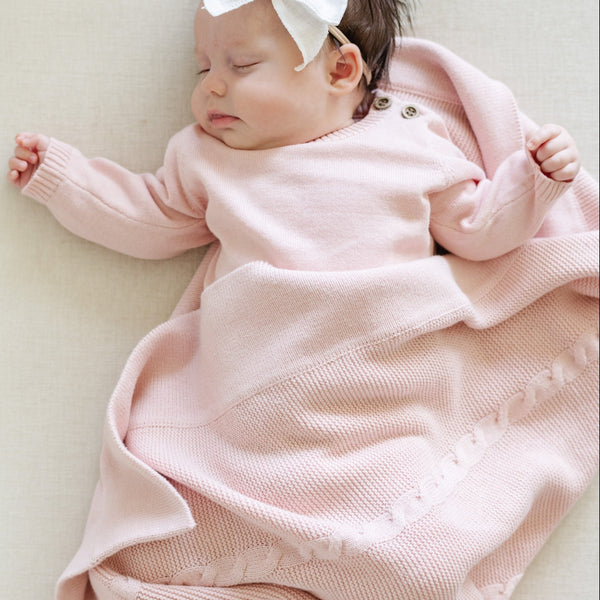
column 251, row 25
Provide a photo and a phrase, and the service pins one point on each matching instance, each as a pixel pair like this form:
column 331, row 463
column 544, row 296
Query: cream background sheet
column 113, row 78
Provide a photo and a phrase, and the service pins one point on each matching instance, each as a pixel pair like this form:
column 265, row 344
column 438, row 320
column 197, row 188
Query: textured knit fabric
column 411, row 430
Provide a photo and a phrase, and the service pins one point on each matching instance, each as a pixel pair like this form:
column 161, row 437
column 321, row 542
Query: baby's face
column 248, row 95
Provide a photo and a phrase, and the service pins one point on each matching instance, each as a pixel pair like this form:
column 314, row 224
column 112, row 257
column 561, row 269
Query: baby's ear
column 345, row 69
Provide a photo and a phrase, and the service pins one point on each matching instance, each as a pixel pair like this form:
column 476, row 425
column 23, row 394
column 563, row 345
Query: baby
column 286, row 143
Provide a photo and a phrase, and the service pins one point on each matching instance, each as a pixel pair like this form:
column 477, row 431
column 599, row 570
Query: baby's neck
column 363, row 107
column 352, row 108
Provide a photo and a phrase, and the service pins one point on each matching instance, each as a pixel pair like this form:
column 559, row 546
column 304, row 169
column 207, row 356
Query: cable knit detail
column 469, row 450
column 257, row 563
column 252, row 565
column 501, row 591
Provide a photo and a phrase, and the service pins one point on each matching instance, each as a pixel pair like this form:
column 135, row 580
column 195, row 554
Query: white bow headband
column 307, row 21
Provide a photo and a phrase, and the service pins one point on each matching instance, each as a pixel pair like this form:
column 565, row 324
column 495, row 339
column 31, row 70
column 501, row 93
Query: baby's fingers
column 19, row 171
column 17, row 164
column 29, row 153
column 26, row 155
column 32, row 141
column 555, row 151
column 562, row 166
column 543, row 135
column 555, row 146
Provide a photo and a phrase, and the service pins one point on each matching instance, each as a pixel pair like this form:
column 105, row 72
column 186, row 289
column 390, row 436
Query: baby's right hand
column 28, row 155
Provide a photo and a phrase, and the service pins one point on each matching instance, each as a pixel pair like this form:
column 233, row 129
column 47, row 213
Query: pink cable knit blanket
column 410, row 432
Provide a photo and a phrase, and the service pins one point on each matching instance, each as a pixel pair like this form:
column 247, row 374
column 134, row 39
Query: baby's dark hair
column 373, row 26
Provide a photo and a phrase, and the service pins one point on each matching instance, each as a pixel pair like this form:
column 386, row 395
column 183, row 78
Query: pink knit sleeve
column 143, row 215
column 480, row 218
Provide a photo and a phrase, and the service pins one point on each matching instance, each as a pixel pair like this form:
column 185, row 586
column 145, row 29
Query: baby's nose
column 213, row 83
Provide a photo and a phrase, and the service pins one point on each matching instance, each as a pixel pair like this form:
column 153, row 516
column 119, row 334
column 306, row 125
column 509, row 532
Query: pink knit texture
column 414, row 430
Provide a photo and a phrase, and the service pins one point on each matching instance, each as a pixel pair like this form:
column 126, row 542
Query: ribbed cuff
column 50, row 173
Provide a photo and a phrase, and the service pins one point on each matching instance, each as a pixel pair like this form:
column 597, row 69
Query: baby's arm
column 144, row 215
column 481, row 218
column 28, row 155
column 555, row 152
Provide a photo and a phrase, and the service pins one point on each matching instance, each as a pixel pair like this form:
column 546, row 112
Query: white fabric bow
column 307, row 21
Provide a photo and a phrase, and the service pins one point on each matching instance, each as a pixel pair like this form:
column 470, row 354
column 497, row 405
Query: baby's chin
column 238, row 141
column 231, row 139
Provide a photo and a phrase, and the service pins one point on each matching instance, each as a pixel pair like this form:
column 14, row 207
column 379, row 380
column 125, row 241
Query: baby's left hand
column 555, row 151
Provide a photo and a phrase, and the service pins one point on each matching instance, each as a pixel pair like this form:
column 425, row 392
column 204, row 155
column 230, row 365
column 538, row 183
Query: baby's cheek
column 270, row 113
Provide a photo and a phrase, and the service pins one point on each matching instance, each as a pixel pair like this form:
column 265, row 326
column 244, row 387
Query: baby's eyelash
column 236, row 67
column 247, row 66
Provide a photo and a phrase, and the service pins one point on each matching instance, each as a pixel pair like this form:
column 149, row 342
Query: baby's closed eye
column 238, row 67
column 245, row 66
